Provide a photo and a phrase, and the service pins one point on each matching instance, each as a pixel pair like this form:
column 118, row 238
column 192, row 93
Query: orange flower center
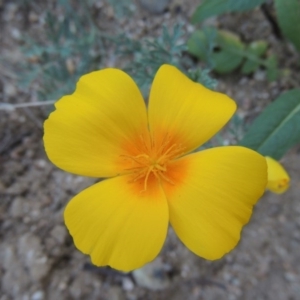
column 153, row 160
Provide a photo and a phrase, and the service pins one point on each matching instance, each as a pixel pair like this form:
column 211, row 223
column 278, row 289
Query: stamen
column 167, row 178
column 153, row 160
column 161, row 168
column 167, row 140
column 134, row 158
column 171, row 148
column 146, row 178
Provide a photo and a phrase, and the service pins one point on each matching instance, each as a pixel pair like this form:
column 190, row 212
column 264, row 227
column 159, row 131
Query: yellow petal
column 117, row 224
column 85, row 134
column 178, row 106
column 278, row 178
column 213, row 199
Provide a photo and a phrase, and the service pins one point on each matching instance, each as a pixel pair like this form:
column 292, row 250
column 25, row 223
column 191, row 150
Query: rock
column 115, row 293
column 127, row 284
column 33, row 257
column 260, row 75
column 289, row 276
column 14, row 282
column 38, row 295
column 153, row 276
column 33, row 17
column 71, row 183
column 155, row 6
column 17, row 207
column 10, row 90
column 76, row 288
column 82, row 285
column 17, row 188
column 41, row 164
column 59, row 233
column 15, row 279
column 10, row 12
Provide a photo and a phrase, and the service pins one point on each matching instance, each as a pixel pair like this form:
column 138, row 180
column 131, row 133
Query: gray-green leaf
column 277, row 129
column 222, row 50
column 254, row 51
column 209, row 8
column 288, row 14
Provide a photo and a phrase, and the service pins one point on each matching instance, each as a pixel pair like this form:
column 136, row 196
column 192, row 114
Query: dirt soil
column 37, row 257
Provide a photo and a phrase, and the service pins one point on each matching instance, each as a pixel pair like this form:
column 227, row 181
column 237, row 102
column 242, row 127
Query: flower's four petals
column 278, row 178
column 209, row 205
column 186, row 111
column 117, row 224
column 86, row 132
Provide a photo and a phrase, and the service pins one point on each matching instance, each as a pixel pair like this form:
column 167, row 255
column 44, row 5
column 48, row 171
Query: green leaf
column 221, row 49
column 198, row 45
column 288, row 14
column 254, row 51
column 230, row 53
column 277, row 129
column 209, row 8
column 224, row 52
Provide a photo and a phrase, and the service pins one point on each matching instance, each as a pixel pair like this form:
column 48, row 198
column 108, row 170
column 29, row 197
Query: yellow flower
column 105, row 130
column 278, row 178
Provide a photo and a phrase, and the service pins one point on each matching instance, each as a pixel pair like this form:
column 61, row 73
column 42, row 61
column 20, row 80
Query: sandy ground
column 37, row 257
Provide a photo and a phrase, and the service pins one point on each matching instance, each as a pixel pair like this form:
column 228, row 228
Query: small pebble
column 127, row 284
column 38, row 295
